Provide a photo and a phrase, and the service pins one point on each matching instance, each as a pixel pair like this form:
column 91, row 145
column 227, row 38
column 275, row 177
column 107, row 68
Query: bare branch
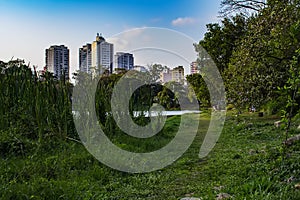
column 241, row 6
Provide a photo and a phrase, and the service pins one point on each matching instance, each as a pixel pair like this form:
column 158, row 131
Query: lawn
column 248, row 162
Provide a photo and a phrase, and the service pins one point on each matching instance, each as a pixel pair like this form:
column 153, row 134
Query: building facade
column 178, row 74
column 166, row 76
column 58, row 61
column 102, row 55
column 85, row 58
column 194, row 68
column 124, row 61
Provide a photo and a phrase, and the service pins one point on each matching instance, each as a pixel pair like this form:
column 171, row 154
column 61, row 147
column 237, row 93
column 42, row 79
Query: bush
column 12, row 143
column 275, row 106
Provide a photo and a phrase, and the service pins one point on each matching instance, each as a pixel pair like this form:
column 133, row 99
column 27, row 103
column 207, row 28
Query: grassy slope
column 246, row 163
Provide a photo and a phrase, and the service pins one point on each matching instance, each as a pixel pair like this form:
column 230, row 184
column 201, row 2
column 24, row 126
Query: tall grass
column 33, row 107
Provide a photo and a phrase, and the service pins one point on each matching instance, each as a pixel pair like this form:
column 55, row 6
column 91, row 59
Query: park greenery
column 256, row 47
column 254, row 52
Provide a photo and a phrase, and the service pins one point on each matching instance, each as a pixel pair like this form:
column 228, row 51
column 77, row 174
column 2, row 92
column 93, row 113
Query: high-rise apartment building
column 102, row 55
column 85, row 58
column 124, row 61
column 57, row 61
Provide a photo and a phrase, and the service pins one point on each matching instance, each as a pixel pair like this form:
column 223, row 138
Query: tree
column 199, row 86
column 221, row 40
column 292, row 92
column 154, row 71
column 260, row 62
column 165, row 98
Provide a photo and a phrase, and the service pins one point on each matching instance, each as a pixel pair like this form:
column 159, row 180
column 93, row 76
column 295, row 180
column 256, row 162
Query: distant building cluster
column 176, row 75
column 98, row 57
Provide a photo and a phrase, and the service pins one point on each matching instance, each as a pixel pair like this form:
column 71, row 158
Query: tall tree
column 260, row 63
column 221, row 40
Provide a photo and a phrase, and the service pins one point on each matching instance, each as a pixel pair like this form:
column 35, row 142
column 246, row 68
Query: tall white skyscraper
column 102, row 55
column 85, row 58
column 57, row 61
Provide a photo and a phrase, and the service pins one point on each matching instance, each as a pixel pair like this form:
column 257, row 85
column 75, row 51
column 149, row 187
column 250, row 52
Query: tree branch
column 231, row 6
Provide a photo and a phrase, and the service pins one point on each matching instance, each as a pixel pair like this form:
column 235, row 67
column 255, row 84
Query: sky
column 28, row 27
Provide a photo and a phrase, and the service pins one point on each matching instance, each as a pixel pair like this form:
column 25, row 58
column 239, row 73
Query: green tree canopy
column 259, row 64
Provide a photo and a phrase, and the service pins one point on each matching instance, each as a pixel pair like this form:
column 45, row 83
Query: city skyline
column 102, row 52
column 32, row 26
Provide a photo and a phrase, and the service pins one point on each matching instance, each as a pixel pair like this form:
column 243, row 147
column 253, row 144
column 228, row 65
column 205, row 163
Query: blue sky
column 28, row 27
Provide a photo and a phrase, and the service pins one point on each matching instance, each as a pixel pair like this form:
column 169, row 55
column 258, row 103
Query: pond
column 156, row 113
column 166, row 113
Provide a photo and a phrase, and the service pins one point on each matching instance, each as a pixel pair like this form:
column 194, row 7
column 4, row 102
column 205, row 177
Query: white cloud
column 182, row 21
column 125, row 41
column 156, row 45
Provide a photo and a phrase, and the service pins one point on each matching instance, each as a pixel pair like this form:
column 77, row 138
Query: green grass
column 248, row 162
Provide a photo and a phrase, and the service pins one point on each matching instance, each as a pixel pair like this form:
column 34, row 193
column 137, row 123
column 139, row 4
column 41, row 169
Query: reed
column 38, row 107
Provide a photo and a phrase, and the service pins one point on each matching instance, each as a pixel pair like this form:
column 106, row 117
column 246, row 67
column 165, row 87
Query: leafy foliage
column 292, row 92
column 199, row 86
column 220, row 40
column 260, row 62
